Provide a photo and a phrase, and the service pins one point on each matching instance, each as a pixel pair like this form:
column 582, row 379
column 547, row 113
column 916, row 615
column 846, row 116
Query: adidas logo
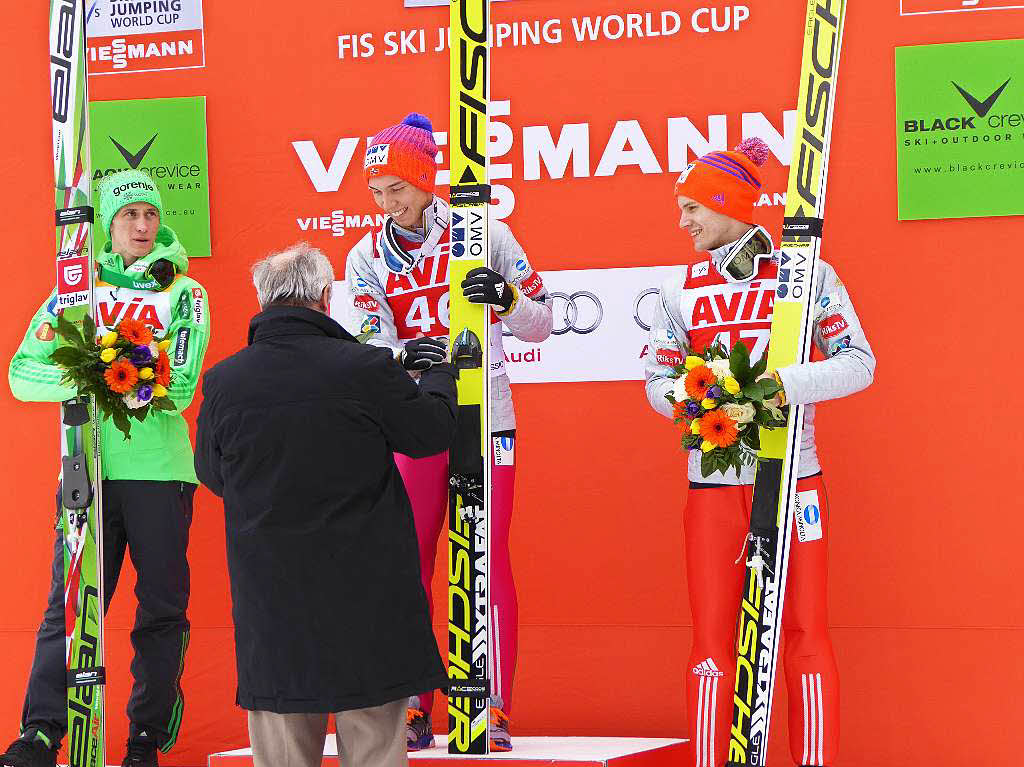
column 707, row 668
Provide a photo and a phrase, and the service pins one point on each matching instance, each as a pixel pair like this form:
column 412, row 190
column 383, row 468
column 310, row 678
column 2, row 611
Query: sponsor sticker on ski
column 808, row 516
column 504, row 451
column 73, row 281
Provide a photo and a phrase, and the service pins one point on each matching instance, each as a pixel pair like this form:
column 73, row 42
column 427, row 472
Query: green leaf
column 163, row 403
column 68, row 356
column 707, row 464
column 69, row 332
column 137, row 413
column 739, row 363
column 122, row 423
column 759, row 368
column 88, row 329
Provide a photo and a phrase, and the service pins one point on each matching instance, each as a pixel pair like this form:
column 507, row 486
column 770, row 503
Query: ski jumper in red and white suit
column 697, row 308
column 401, row 307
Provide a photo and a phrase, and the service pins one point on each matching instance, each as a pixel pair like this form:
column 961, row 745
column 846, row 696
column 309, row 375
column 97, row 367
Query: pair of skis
column 81, row 512
column 772, row 516
column 470, row 493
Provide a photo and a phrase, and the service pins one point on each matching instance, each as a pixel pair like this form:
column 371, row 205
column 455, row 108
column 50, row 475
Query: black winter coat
column 297, row 433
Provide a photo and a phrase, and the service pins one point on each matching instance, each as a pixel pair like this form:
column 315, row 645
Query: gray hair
column 295, row 276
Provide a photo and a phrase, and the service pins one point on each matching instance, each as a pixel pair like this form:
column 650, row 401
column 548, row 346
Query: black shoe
column 140, row 752
column 29, row 751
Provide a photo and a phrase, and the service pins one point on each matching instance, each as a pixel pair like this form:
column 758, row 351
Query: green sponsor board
column 166, row 138
column 960, row 129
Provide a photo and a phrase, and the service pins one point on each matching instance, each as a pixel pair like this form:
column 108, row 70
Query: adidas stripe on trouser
column 716, row 521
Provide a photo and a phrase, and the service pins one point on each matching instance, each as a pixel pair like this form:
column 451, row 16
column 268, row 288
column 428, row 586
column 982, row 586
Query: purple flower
column 715, row 392
column 145, row 392
column 692, row 409
column 141, row 356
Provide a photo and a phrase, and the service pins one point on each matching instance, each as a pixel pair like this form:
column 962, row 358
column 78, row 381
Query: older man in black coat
column 297, row 433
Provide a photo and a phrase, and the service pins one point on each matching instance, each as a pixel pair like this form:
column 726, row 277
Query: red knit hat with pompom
column 727, row 182
column 406, row 150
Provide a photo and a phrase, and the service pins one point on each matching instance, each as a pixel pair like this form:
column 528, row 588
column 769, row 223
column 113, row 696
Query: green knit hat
column 124, row 188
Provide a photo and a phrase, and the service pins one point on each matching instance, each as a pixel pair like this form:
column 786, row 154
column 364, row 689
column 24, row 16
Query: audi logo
column 646, row 308
column 582, row 312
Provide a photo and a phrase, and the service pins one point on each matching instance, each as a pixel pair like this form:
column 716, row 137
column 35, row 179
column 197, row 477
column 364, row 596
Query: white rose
column 679, row 390
column 720, row 368
column 739, row 413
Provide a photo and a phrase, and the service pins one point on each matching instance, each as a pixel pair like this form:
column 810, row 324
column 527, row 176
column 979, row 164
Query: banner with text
column 166, row 138
column 960, row 128
column 145, row 36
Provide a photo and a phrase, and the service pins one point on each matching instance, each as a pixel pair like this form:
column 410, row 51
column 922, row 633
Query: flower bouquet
column 720, row 399
column 127, row 370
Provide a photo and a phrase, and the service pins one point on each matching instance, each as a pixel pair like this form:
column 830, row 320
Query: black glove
column 421, row 353
column 486, row 286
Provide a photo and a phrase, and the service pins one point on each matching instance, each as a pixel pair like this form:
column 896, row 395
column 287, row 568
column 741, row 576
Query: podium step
column 529, row 752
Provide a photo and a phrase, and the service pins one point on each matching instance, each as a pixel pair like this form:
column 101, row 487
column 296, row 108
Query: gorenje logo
column 133, row 159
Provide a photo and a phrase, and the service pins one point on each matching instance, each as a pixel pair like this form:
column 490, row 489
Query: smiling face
column 401, row 200
column 133, row 231
column 708, row 228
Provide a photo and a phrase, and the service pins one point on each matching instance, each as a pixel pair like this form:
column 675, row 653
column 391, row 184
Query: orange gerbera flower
column 698, row 381
column 718, row 429
column 162, row 370
column 679, row 410
column 135, row 332
column 121, row 376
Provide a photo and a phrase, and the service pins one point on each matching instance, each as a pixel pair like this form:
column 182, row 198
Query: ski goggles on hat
column 397, row 258
column 741, row 262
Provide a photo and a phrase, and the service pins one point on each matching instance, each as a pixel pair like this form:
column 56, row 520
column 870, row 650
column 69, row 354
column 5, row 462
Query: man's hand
column 422, row 353
column 486, row 286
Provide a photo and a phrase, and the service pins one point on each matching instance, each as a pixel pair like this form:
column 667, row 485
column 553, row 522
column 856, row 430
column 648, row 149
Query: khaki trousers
column 367, row 737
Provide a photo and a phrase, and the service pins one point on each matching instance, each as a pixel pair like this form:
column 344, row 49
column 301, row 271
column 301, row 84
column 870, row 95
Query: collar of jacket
column 277, row 321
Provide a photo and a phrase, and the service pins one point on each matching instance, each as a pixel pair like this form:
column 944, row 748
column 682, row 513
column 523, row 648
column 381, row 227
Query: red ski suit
column 696, row 309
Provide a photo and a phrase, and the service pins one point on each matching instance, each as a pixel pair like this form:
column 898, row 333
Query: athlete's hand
column 780, row 396
column 486, row 286
column 422, row 353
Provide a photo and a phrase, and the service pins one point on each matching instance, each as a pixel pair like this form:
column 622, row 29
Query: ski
column 774, row 499
column 470, row 484
column 81, row 515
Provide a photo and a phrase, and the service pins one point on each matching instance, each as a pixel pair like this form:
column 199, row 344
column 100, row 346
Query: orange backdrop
column 925, row 536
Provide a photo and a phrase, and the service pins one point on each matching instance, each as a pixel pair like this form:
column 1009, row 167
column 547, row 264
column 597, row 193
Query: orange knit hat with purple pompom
column 406, row 150
column 727, row 182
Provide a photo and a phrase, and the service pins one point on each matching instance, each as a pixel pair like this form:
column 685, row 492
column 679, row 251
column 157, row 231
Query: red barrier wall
column 922, row 468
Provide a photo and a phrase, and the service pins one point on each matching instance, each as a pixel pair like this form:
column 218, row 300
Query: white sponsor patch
column 504, row 451
column 808, row 516
column 377, row 155
column 700, row 270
